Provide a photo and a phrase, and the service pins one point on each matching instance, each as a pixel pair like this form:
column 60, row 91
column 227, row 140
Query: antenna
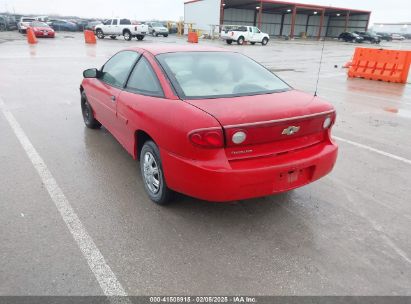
column 319, row 68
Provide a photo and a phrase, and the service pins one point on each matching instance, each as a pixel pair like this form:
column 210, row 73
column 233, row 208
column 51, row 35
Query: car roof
column 157, row 49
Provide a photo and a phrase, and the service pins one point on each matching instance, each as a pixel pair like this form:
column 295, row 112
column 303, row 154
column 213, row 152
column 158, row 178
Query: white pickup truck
column 244, row 33
column 121, row 27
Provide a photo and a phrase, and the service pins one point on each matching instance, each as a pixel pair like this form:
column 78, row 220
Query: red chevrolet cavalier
column 42, row 29
column 209, row 123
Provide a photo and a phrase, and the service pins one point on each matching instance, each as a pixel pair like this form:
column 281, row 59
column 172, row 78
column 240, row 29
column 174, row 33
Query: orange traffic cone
column 31, row 37
column 89, row 37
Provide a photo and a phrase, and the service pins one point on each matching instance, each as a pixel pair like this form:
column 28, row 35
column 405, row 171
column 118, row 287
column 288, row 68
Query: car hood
column 258, row 108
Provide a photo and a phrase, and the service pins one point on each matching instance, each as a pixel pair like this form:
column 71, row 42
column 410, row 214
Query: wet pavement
column 346, row 234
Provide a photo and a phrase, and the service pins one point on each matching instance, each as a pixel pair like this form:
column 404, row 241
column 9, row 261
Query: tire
column 240, row 40
column 165, row 35
column 127, row 35
column 140, row 37
column 154, row 33
column 153, row 175
column 264, row 41
column 87, row 112
column 2, row 27
column 252, row 43
column 229, row 41
column 99, row 34
column 113, row 37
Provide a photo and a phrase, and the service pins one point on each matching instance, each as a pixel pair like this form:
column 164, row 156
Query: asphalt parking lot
column 346, row 234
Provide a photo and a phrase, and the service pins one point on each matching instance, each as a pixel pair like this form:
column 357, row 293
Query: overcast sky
column 382, row 10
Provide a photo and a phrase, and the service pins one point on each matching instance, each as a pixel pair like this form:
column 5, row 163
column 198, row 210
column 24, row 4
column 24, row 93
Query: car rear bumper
column 243, row 179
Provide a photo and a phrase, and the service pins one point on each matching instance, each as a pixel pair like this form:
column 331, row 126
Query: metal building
column 277, row 18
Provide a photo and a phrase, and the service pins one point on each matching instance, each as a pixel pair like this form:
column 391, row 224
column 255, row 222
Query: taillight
column 207, row 138
column 329, row 120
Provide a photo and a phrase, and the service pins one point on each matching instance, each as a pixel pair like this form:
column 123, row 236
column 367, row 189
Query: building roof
column 277, row 5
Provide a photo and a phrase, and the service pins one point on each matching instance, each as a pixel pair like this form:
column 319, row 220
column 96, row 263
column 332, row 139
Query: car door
column 108, row 29
column 106, row 89
column 256, row 35
column 142, row 94
column 115, row 27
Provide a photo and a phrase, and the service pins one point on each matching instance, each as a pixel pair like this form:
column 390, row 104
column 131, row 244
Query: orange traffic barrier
column 31, row 37
column 192, row 37
column 379, row 64
column 89, row 36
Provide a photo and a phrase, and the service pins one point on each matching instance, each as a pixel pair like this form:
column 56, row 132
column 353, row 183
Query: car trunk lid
column 273, row 123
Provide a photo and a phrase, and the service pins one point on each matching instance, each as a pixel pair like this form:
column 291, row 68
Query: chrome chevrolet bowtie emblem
column 290, row 130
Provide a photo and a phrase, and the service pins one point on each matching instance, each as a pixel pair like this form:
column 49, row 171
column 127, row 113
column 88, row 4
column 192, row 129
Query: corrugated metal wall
column 337, row 24
column 271, row 23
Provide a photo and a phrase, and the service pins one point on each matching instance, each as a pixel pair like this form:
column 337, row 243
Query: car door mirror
column 92, row 73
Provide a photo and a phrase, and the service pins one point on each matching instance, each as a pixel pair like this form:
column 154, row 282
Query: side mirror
column 92, row 73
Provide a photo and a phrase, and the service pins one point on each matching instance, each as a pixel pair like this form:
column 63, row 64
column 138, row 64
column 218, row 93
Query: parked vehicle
column 242, row 34
column 62, row 25
column 24, row 23
column 81, row 24
column 368, row 36
column 92, row 25
column 7, row 23
column 3, row 24
column 121, row 27
column 350, row 37
column 42, row 29
column 385, row 36
column 397, row 37
column 236, row 131
column 156, row 29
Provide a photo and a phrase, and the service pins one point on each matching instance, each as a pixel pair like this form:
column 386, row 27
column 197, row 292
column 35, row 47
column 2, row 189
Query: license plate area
column 294, row 177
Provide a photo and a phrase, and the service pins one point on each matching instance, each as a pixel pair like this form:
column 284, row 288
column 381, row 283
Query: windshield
column 198, row 75
column 27, row 19
column 157, row 25
column 38, row 24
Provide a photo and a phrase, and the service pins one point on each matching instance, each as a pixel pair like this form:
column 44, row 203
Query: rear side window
column 118, row 67
column 144, row 81
column 125, row 21
column 114, row 21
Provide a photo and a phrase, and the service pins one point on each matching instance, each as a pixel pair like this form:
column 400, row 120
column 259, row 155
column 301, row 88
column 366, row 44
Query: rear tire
column 153, row 175
column 127, row 35
column 240, row 40
column 140, row 37
column 88, row 114
column 165, row 35
column 265, row 41
column 229, row 41
column 113, row 37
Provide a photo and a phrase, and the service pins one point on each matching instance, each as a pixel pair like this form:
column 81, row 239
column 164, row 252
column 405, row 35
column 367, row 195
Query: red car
column 42, row 29
column 209, row 123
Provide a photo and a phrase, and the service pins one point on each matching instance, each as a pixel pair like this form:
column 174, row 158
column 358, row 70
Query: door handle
column 113, row 98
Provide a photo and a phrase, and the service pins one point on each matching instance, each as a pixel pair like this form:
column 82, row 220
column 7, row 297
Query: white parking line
column 104, row 275
column 399, row 158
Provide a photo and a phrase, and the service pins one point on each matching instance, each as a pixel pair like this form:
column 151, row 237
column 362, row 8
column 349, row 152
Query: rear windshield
column 199, row 75
column 39, row 24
